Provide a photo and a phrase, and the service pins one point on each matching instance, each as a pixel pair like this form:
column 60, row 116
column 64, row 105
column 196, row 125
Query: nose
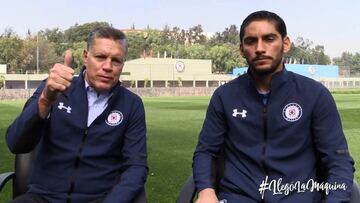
column 107, row 65
column 260, row 47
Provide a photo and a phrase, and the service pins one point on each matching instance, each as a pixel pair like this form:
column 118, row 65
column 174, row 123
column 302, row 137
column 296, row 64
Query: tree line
column 43, row 49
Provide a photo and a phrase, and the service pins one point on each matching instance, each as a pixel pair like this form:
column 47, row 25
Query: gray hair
column 107, row 33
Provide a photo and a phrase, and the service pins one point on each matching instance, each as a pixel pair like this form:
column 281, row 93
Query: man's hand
column 60, row 77
column 207, row 195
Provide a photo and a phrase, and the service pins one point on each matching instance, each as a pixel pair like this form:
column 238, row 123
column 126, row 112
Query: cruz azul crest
column 114, row 118
column 292, row 112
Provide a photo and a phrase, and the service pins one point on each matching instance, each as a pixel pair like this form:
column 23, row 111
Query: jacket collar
column 278, row 79
column 80, row 82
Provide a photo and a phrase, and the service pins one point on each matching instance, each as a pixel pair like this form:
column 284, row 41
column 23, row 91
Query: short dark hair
column 107, row 32
column 264, row 15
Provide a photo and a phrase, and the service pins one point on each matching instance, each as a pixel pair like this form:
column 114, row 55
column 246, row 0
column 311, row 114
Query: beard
column 266, row 71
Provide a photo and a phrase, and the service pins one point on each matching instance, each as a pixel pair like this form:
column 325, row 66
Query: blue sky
column 332, row 23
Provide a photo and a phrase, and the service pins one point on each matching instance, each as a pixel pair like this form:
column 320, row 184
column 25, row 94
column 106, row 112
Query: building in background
column 170, row 72
column 145, row 73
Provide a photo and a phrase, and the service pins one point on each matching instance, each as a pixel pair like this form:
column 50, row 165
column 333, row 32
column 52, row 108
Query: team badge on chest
column 292, row 112
column 114, row 118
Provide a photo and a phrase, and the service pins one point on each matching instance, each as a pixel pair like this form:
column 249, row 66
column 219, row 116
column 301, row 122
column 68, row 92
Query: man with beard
column 275, row 128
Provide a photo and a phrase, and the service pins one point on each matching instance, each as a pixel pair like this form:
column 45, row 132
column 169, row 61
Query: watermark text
column 279, row 188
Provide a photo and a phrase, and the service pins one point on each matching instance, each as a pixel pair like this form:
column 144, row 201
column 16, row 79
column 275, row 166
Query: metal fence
column 340, row 83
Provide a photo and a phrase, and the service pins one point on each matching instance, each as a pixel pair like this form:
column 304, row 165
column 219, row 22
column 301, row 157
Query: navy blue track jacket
column 281, row 139
column 76, row 163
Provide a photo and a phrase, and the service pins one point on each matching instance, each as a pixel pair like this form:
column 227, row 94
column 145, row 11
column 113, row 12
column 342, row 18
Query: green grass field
column 173, row 125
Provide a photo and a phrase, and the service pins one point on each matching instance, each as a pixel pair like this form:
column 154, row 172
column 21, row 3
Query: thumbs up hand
column 60, row 77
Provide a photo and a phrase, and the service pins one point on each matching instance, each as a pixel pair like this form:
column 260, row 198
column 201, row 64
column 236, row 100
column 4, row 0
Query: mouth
column 262, row 58
column 105, row 78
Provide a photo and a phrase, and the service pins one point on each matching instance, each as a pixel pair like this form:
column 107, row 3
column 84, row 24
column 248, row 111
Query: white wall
column 2, row 68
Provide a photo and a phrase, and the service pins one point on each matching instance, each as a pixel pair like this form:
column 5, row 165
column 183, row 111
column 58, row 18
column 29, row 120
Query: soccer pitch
column 173, row 125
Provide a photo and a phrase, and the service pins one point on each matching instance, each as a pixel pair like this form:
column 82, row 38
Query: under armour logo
column 61, row 106
column 236, row 113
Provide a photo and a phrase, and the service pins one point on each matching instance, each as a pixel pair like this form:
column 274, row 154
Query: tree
column 225, row 58
column 10, row 47
column 196, row 51
column 78, row 33
column 195, row 35
column 178, row 35
column 9, row 33
column 356, row 64
column 136, row 45
column 57, row 37
column 229, row 35
column 302, row 52
column 53, row 35
column 47, row 54
column 166, row 35
column 77, row 54
column 222, row 48
column 152, row 42
column 349, row 62
column 319, row 55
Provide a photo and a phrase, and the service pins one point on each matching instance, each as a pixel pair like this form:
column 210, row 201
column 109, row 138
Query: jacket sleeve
column 332, row 147
column 134, row 155
column 210, row 140
column 25, row 132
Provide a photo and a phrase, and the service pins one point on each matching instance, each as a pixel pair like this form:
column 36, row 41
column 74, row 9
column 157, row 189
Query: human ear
column 286, row 44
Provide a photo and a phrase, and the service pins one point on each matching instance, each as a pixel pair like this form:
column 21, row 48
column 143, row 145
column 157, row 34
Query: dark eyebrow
column 270, row 35
column 249, row 38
